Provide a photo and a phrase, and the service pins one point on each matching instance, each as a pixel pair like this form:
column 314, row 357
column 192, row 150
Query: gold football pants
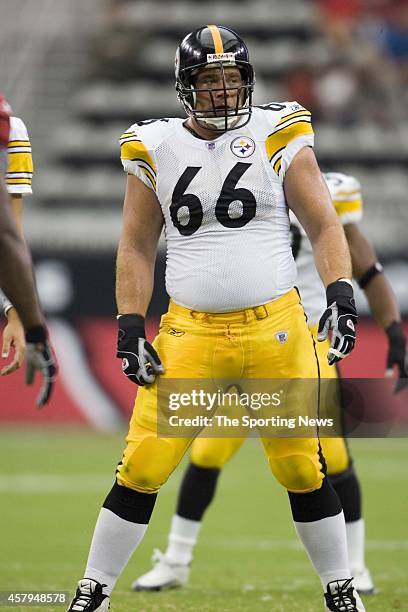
column 216, row 452
column 244, row 344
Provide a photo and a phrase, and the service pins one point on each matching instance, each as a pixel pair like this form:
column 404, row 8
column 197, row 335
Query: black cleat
column 89, row 597
column 341, row 596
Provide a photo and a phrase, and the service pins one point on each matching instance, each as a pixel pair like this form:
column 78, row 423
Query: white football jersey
column 345, row 192
column 225, row 215
column 20, row 162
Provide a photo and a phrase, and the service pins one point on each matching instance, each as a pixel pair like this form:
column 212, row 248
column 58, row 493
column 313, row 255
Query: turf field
column 248, row 558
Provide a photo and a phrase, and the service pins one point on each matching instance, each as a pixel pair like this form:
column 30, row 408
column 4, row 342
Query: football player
column 208, row 456
column 18, row 179
column 221, row 182
column 16, row 276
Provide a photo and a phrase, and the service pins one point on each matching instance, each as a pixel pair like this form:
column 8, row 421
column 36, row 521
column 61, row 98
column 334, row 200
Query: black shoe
column 89, row 597
column 341, row 596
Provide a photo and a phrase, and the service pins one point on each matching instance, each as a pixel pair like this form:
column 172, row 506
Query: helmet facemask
column 217, row 118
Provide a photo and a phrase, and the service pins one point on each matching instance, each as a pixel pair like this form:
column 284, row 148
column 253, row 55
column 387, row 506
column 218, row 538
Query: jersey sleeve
column 292, row 132
column 19, row 174
column 347, row 198
column 137, row 159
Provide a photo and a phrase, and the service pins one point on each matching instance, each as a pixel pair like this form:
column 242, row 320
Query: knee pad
column 336, row 455
column 297, row 473
column 147, row 465
column 214, row 452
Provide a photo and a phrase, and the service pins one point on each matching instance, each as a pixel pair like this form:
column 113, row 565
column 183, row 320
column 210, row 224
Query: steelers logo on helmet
column 228, row 105
column 242, row 146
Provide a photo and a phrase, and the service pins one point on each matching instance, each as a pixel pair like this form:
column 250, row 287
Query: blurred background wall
column 79, row 73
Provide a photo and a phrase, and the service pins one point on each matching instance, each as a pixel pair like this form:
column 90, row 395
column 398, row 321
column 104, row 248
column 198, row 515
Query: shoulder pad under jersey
column 138, row 145
column 287, row 129
column 345, row 191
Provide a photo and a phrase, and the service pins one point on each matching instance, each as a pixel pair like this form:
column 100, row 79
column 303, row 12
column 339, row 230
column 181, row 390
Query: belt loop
column 261, row 312
column 198, row 316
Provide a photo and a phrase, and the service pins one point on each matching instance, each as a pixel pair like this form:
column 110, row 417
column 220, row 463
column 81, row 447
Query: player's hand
column 13, row 337
column 5, row 112
column 40, row 357
column 397, row 355
column 341, row 318
column 140, row 362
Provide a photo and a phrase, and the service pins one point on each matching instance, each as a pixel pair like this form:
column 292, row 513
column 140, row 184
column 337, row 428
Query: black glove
column 40, row 357
column 140, row 362
column 397, row 355
column 341, row 318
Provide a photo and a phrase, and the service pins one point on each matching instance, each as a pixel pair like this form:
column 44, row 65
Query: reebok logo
column 175, row 332
column 282, row 336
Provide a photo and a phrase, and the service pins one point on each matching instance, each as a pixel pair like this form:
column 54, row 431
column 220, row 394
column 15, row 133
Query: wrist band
column 369, row 274
column 5, row 303
column 344, row 280
column 128, row 314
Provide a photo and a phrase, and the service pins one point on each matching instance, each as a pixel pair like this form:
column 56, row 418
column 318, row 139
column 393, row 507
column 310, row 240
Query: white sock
column 113, row 543
column 356, row 544
column 326, row 544
column 182, row 539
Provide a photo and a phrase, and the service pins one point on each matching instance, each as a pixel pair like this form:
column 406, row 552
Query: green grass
column 248, row 560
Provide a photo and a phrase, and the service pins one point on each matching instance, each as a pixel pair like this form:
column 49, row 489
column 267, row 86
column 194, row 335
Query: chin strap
column 219, row 122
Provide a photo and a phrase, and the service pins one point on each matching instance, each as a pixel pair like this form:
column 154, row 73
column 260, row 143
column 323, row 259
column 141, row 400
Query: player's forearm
column 308, row 196
column 381, row 299
column 134, row 280
column 16, row 279
column 380, row 296
column 331, row 254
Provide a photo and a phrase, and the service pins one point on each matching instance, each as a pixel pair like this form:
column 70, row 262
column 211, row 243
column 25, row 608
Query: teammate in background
column 16, row 277
column 208, row 456
column 221, row 183
column 18, row 179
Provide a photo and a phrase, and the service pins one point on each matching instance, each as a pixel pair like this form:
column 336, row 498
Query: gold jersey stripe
column 135, row 150
column 20, row 162
column 18, row 181
column 344, row 194
column 277, row 155
column 295, row 114
column 19, row 143
column 281, row 138
column 142, row 164
column 347, row 206
column 277, row 165
column 215, row 33
column 149, row 176
column 129, row 139
column 285, row 125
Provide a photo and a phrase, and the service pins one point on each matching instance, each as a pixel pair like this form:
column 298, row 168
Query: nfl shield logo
column 281, row 336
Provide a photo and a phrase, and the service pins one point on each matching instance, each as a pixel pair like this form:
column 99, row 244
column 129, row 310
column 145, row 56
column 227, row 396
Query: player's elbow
column 326, row 229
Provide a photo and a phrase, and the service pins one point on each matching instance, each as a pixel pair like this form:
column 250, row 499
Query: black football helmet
column 218, row 47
